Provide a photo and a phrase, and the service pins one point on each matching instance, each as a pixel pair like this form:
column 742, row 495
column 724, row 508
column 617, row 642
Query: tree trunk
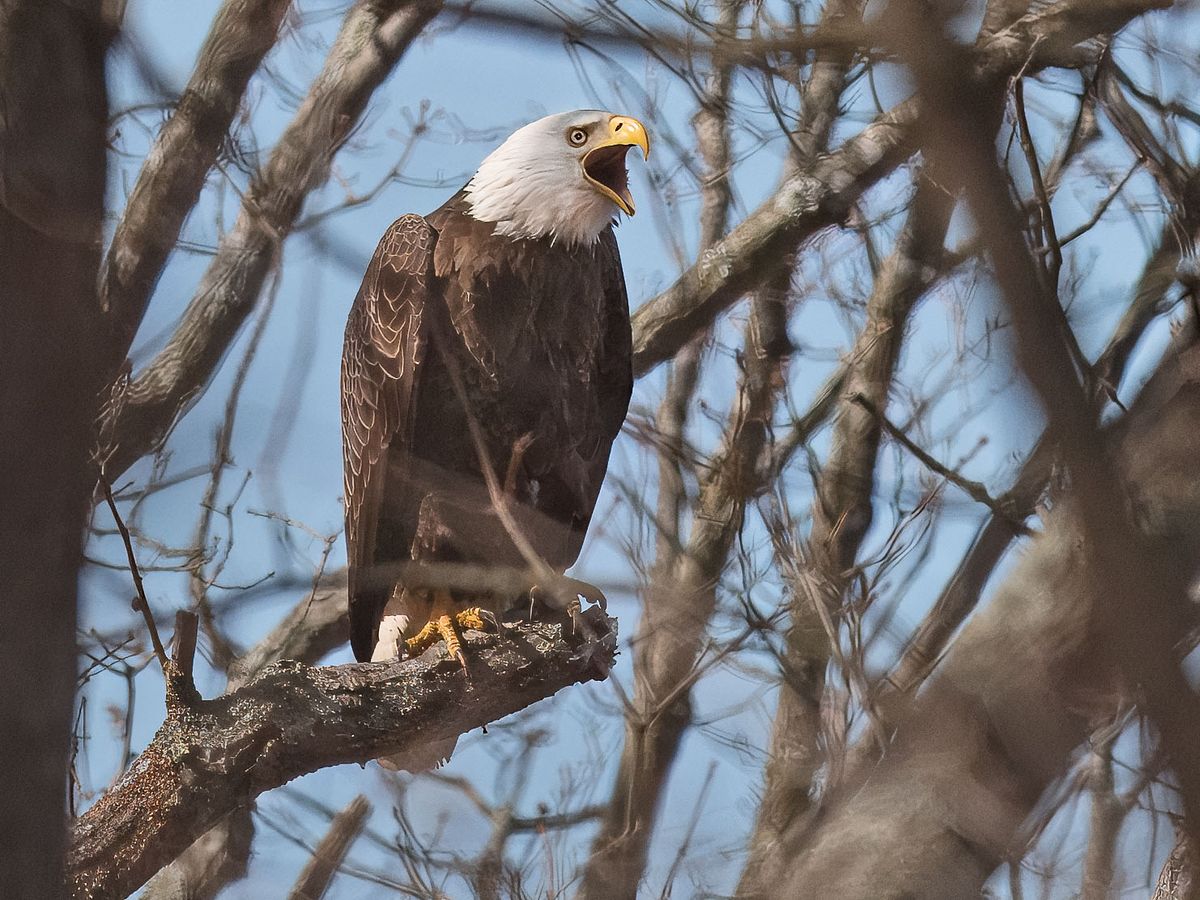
column 53, row 116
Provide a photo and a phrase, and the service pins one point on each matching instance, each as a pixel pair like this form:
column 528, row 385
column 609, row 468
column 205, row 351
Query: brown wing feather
column 614, row 385
column 384, row 346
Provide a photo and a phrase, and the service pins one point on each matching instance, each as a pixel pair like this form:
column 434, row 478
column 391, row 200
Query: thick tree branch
column 815, row 198
column 315, row 626
column 373, row 38
column 293, row 719
column 176, row 167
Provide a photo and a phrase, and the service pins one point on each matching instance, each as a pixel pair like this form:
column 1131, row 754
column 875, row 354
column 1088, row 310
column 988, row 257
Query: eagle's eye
column 577, row 137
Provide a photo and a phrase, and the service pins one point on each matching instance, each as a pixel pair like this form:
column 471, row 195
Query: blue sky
column 479, row 84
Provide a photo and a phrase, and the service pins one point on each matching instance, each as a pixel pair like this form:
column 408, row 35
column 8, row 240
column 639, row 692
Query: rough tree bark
column 212, row 756
column 53, row 119
column 317, row 625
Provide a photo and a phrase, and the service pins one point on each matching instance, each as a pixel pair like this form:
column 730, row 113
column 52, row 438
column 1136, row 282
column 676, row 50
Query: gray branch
column 328, row 855
column 373, row 38
column 215, row 756
column 822, row 193
column 183, row 153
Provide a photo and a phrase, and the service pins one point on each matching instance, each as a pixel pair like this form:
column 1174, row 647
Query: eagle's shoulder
column 388, row 309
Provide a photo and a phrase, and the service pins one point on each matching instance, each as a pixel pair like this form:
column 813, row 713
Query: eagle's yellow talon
column 472, row 618
column 446, row 628
column 421, row 641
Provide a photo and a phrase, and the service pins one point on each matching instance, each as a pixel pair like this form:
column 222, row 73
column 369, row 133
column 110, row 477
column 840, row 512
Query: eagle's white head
column 561, row 177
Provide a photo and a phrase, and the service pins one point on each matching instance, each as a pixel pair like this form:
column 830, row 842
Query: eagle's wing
column 614, row 386
column 384, row 346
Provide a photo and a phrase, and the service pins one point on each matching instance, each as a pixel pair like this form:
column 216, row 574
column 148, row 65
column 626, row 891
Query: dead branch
column 822, row 194
column 178, row 164
column 218, row 755
column 327, row 856
column 373, row 38
column 964, row 588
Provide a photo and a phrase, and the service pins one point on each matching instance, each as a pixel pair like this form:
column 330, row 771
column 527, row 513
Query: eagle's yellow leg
column 445, row 628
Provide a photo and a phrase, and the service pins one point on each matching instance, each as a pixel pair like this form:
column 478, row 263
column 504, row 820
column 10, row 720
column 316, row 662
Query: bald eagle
column 492, row 333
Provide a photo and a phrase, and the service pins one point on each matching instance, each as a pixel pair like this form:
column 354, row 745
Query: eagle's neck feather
column 528, row 195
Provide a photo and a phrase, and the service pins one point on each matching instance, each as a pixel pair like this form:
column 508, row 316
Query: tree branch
column 373, row 38
column 327, row 856
column 1018, row 691
column 173, row 175
column 821, row 194
column 217, row 755
column 842, row 515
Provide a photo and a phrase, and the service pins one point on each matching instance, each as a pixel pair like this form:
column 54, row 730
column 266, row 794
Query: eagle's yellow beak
column 604, row 164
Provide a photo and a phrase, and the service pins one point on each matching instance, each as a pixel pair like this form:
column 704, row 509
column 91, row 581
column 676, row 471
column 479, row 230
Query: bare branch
column 821, row 195
column 327, row 856
column 680, row 600
column 964, row 588
column 373, row 38
column 842, row 514
column 140, row 603
column 293, row 719
column 1016, row 693
column 173, row 175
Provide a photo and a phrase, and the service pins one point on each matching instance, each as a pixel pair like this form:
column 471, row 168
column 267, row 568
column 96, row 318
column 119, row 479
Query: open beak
column 604, row 164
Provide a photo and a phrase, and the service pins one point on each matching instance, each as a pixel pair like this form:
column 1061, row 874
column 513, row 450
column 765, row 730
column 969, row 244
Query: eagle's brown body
column 528, row 339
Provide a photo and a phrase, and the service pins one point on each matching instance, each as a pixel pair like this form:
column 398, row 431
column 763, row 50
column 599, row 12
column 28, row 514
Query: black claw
column 490, row 618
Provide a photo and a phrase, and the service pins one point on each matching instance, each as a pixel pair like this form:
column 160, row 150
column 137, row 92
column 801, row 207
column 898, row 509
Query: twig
column 140, row 602
column 1101, row 209
column 1049, row 233
column 973, row 489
